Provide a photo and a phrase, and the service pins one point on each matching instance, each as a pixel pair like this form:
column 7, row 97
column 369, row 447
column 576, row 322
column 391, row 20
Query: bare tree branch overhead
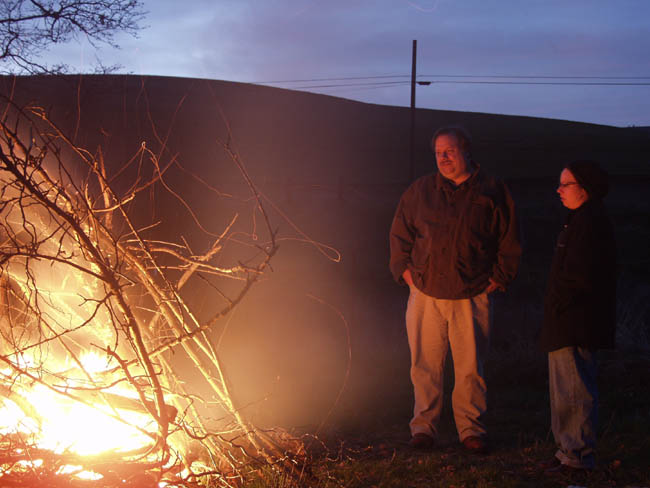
column 28, row 28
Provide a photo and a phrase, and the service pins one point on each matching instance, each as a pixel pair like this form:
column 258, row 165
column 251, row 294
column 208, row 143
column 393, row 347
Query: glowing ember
column 66, row 425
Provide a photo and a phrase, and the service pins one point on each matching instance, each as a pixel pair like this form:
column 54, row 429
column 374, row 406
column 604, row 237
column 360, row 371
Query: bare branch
column 69, row 287
column 29, row 27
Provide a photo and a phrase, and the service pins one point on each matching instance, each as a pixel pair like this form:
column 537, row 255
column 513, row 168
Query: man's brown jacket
column 455, row 238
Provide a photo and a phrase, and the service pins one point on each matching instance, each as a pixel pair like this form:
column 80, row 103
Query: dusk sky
column 581, row 60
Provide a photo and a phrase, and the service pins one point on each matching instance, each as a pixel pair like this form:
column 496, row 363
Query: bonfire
column 94, row 324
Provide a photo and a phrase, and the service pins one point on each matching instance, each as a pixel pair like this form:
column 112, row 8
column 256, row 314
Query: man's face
column 571, row 193
column 452, row 162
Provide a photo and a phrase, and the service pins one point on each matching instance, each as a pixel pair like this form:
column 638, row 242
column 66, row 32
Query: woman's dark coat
column 580, row 302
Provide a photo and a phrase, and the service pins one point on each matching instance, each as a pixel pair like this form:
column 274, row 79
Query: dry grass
column 375, row 453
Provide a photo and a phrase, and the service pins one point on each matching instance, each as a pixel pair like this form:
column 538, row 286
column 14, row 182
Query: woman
column 579, row 313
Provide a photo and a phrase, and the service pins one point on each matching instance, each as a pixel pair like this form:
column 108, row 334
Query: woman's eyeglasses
column 564, row 185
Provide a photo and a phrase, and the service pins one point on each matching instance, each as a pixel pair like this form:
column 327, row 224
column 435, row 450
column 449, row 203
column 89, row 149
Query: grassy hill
column 312, row 137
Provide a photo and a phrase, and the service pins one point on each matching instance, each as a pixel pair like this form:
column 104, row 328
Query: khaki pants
column 433, row 326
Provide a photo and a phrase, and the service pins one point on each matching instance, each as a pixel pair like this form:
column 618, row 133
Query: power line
column 387, row 84
column 539, row 77
column 369, row 85
column 575, row 83
column 330, row 79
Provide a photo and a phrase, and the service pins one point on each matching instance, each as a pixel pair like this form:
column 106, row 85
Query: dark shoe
column 475, row 444
column 554, row 466
column 551, row 463
column 421, row 441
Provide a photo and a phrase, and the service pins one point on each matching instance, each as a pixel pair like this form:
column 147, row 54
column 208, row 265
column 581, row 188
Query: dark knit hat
column 591, row 177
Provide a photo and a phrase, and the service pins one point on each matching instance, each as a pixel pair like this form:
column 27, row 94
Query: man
column 579, row 314
column 454, row 240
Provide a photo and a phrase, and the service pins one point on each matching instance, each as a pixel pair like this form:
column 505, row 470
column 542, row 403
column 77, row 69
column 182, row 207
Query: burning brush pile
column 93, row 321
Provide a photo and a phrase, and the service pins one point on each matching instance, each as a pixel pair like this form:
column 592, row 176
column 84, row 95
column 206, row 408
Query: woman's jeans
column 574, row 404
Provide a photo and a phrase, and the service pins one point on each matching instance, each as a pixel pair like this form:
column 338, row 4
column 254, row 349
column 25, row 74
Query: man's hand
column 494, row 286
column 406, row 275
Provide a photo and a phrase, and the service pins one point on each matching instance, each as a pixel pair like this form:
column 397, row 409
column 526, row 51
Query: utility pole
column 412, row 131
